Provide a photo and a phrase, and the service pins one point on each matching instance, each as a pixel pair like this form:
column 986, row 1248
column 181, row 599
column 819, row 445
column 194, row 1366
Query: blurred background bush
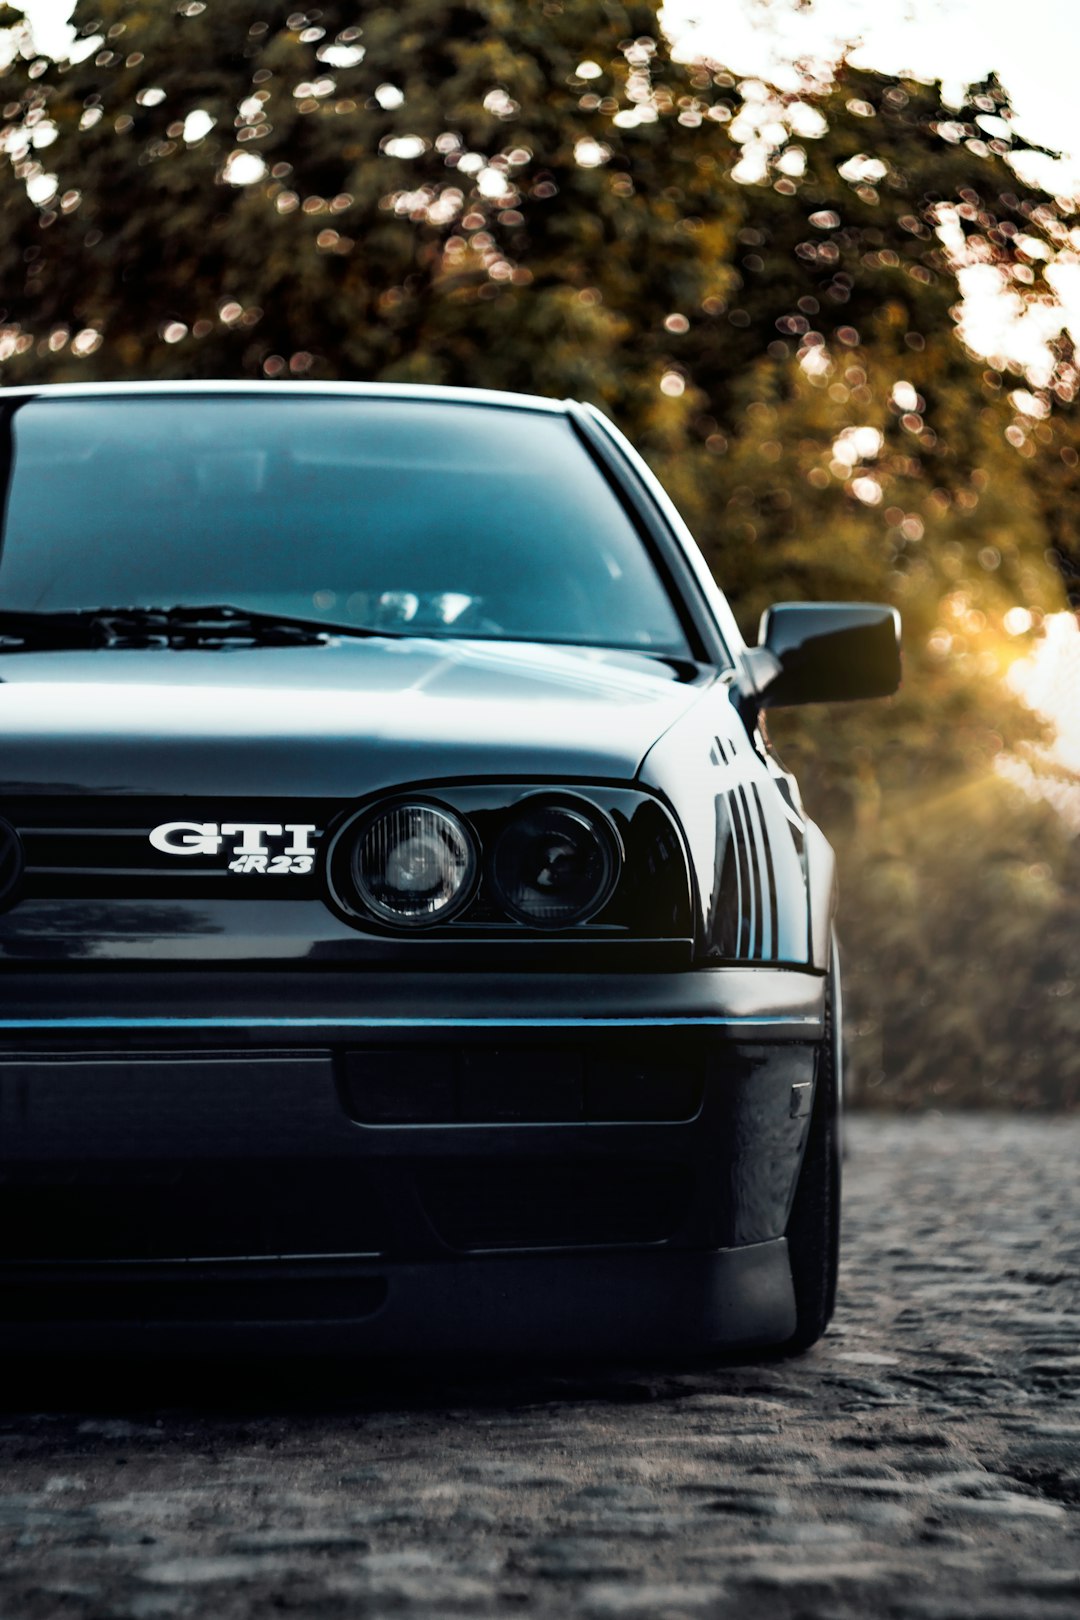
column 770, row 292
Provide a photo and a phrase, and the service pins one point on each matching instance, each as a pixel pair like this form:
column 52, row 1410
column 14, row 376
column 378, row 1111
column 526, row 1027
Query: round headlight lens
column 414, row 865
column 553, row 867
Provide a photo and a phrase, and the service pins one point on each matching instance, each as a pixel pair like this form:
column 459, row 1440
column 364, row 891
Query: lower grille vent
column 516, row 1086
column 82, row 1212
column 537, row 1205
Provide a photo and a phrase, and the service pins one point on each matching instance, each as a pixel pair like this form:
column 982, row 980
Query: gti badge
column 254, row 847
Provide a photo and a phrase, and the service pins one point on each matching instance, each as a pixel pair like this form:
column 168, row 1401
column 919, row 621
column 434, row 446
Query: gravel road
column 923, row 1461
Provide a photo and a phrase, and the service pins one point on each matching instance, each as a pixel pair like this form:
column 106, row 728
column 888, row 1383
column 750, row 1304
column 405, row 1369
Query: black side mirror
column 824, row 652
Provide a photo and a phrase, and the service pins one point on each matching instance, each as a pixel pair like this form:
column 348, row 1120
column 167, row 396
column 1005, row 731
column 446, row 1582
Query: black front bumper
column 607, row 1303
column 388, row 1163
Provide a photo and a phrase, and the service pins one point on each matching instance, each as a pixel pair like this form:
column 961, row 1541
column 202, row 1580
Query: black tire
column 813, row 1229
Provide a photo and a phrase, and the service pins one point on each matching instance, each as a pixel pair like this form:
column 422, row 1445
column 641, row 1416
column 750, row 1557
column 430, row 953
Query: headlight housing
column 414, row 865
column 480, row 864
column 554, row 865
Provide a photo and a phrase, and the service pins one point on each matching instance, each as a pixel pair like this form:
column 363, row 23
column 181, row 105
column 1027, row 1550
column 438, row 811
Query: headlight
column 553, row 866
column 414, row 864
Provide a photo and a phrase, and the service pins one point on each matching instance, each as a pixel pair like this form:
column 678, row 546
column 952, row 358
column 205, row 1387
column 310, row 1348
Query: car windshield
column 429, row 517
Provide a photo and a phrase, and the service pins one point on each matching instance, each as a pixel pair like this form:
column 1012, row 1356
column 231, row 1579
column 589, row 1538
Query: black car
column 408, row 937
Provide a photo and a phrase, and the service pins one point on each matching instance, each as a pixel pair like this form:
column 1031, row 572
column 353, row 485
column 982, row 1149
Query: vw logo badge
column 11, row 862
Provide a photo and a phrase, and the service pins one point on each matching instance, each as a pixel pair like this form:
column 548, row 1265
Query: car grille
column 99, row 848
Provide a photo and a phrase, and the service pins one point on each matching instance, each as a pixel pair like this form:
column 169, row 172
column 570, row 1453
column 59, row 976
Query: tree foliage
column 533, row 195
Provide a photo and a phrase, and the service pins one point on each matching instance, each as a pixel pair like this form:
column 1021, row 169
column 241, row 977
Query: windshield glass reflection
column 429, row 518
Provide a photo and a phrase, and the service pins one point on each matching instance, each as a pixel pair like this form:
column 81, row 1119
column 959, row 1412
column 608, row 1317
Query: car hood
column 342, row 719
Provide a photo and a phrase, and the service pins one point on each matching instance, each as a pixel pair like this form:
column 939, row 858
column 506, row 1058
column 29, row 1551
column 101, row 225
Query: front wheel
column 813, row 1229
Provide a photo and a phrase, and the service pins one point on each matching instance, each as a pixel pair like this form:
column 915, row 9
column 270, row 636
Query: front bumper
column 403, row 1162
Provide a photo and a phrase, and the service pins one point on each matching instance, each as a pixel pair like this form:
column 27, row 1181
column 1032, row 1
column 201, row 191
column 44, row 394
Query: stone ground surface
column 922, row 1462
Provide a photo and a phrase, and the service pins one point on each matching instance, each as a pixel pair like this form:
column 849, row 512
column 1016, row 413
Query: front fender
column 762, row 874
column 820, row 862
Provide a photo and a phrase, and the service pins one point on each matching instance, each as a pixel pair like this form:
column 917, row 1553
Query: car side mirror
column 823, row 652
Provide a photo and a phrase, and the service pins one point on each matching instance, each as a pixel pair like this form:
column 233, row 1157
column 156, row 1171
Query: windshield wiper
column 176, row 627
